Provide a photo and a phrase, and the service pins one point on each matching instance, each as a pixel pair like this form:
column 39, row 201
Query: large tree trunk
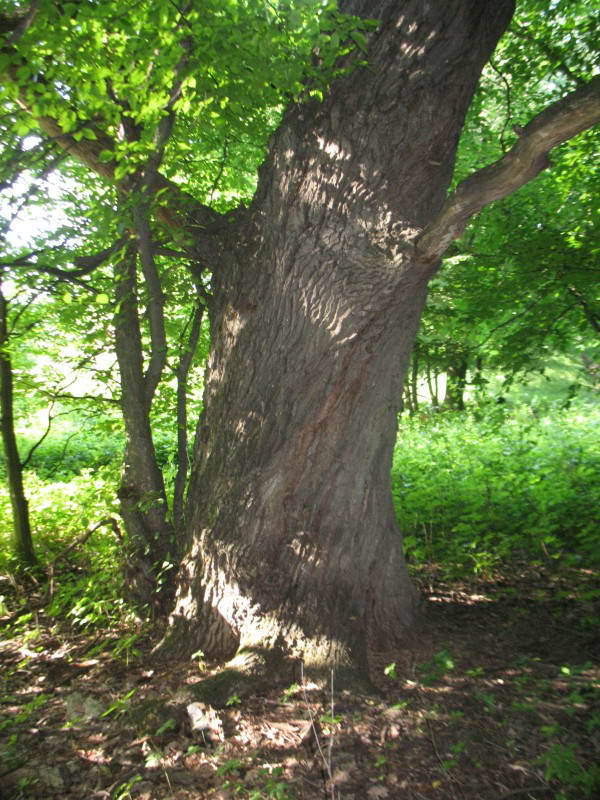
column 292, row 535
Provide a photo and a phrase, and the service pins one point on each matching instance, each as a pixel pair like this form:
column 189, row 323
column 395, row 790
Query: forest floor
column 498, row 698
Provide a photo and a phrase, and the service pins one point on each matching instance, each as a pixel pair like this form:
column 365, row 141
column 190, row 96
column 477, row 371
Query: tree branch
column 591, row 317
column 178, row 211
column 85, row 264
column 556, row 124
column 51, row 417
column 18, row 24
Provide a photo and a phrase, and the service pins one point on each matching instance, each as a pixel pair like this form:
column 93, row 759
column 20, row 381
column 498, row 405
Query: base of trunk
column 318, row 629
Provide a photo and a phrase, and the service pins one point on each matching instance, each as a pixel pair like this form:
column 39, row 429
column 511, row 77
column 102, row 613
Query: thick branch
column 556, row 124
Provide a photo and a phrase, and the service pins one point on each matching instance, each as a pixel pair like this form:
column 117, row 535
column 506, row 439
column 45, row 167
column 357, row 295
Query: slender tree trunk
column 22, row 540
column 182, row 374
column 412, row 384
column 141, row 494
column 456, row 383
column 292, row 535
column 432, row 383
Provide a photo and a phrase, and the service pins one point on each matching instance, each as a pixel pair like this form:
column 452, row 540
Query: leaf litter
column 498, row 697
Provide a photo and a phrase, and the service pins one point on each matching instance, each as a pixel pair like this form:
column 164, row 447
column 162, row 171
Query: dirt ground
column 498, row 698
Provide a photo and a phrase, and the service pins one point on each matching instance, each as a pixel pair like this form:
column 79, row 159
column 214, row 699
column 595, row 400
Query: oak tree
column 289, row 535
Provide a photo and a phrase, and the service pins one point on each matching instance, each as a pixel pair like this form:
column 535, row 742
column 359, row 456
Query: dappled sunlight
column 459, row 597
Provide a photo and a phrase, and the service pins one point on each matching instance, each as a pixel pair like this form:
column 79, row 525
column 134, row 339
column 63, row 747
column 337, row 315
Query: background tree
column 23, row 543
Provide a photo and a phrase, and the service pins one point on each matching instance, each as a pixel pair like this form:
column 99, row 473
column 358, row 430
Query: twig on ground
column 326, row 760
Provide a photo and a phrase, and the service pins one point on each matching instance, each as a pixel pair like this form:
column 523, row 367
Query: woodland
column 299, row 382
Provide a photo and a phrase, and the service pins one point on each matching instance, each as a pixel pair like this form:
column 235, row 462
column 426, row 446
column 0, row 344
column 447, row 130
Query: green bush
column 474, row 491
column 63, row 455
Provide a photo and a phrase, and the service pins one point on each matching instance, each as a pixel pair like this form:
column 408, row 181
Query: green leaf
column 360, row 39
column 390, row 671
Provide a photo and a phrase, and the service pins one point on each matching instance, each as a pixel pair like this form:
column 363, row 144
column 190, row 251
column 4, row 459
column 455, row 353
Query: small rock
column 205, row 720
column 377, row 792
column 198, row 717
column 82, row 707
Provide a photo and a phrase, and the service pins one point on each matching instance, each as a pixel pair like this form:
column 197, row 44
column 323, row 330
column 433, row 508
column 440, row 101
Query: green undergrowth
column 84, row 586
column 66, row 453
column 473, row 491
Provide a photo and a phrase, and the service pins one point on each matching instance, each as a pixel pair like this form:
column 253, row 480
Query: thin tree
column 22, row 538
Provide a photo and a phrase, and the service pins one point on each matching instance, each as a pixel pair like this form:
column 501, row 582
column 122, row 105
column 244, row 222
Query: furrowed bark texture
column 292, row 533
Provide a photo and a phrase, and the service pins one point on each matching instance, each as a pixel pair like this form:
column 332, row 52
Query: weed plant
column 471, row 490
column 64, row 454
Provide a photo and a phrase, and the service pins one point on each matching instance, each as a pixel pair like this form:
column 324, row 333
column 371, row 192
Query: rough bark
column 22, row 539
column 292, row 534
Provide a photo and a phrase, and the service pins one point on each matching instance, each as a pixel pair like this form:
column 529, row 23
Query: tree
column 23, row 542
column 316, row 294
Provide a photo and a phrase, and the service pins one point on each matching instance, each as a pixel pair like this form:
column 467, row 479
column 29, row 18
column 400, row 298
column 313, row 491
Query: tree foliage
column 521, row 284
